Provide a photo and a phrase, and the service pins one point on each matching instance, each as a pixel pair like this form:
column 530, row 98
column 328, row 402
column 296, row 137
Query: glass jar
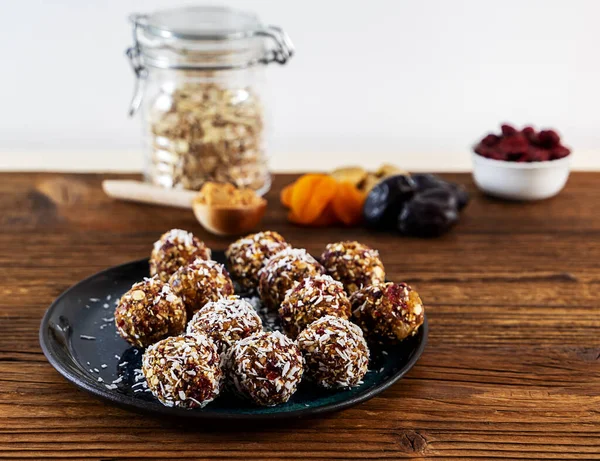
column 199, row 85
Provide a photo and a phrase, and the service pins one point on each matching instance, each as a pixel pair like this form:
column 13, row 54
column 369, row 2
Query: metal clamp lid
column 280, row 52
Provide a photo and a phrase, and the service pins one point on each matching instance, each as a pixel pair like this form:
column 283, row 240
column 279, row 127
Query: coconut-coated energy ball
column 388, row 312
column 148, row 312
column 183, row 371
column 282, row 272
column 247, row 256
column 174, row 249
column 313, row 298
column 335, row 352
column 199, row 283
column 226, row 321
column 354, row 264
column 265, row 367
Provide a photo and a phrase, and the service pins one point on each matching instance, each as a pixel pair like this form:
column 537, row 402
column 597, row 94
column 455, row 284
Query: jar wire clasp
column 284, row 48
column 134, row 53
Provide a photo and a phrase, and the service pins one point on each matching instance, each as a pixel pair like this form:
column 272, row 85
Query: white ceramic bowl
column 520, row 181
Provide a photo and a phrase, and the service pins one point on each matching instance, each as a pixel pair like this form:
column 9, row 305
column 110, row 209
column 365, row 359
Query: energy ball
column 173, row 250
column 199, row 283
column 247, row 256
column 148, row 312
column 282, row 272
column 388, row 312
column 226, row 321
column 265, row 367
column 183, row 371
column 354, row 264
column 313, row 298
column 335, row 352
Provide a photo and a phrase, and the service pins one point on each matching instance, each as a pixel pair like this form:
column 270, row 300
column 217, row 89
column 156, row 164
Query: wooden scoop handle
column 137, row 191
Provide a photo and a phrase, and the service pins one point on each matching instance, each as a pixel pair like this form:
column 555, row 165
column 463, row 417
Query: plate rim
column 129, row 402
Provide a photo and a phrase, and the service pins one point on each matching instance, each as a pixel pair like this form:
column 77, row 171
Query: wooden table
column 512, row 369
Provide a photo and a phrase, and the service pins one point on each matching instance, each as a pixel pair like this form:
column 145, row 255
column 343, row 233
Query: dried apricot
column 286, row 195
column 310, row 196
column 327, row 218
column 348, row 203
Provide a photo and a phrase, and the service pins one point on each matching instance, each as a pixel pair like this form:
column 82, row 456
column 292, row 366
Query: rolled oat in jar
column 200, row 73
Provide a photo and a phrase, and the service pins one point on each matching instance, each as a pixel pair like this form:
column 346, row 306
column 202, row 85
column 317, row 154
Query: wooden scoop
column 220, row 208
column 224, row 210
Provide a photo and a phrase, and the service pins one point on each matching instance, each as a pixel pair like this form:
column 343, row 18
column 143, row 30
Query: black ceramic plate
column 79, row 339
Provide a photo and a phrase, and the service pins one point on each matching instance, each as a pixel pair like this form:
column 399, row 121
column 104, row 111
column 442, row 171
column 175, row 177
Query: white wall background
column 414, row 82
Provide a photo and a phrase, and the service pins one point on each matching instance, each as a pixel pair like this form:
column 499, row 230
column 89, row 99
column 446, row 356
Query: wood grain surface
column 512, row 368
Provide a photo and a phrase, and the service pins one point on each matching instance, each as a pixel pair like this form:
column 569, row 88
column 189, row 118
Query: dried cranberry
column 549, row 138
column 497, row 156
column 535, row 154
column 528, row 131
column 395, row 291
column 508, row 130
column 517, row 157
column 526, row 145
column 558, row 152
column 484, row 151
column 516, row 144
column 490, row 140
column 534, row 139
